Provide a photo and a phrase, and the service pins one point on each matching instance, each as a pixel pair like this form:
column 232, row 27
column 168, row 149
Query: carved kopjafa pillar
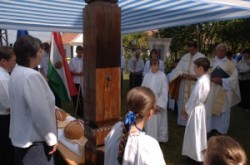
column 102, row 34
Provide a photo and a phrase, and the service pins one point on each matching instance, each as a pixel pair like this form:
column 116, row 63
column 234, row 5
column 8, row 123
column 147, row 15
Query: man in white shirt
column 135, row 68
column 7, row 63
column 76, row 69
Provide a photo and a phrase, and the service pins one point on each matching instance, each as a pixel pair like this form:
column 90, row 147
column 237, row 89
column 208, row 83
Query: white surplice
column 231, row 87
column 157, row 126
column 140, row 148
column 185, row 65
column 195, row 138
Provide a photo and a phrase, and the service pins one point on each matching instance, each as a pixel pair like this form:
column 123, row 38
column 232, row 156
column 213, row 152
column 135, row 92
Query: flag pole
column 78, row 97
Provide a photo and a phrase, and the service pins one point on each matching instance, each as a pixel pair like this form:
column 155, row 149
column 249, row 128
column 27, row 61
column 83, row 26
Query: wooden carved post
column 102, row 33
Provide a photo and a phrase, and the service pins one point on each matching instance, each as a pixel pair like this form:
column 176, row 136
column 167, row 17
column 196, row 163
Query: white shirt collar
column 3, row 70
column 221, row 60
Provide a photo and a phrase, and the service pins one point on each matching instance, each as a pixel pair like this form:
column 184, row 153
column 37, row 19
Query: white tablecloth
column 72, row 146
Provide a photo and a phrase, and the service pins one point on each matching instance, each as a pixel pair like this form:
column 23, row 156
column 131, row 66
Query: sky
column 43, row 36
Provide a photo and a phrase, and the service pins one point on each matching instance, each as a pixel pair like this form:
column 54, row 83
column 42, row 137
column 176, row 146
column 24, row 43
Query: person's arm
column 141, row 66
column 162, row 66
column 36, row 97
column 194, row 98
column 230, row 82
column 163, row 99
column 146, row 68
column 4, row 94
column 43, row 74
column 130, row 69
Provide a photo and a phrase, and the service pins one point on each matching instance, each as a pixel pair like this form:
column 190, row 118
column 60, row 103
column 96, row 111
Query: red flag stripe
column 59, row 44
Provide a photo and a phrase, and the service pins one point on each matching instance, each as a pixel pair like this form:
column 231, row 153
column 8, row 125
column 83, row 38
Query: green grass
column 239, row 130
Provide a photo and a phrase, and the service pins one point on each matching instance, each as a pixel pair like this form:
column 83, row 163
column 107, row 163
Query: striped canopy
column 137, row 15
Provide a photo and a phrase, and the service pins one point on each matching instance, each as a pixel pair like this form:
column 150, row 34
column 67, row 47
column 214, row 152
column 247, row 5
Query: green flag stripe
column 56, row 83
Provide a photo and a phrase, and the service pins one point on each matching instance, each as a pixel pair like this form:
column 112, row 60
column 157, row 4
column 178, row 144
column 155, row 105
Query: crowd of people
column 204, row 90
column 29, row 134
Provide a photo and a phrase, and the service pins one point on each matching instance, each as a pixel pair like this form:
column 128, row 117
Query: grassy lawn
column 239, row 130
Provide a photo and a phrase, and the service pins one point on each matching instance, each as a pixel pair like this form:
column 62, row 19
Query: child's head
column 154, row 64
column 140, row 101
column 153, row 54
column 79, row 51
column 224, row 150
column 201, row 66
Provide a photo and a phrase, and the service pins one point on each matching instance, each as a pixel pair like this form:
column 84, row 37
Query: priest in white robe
column 224, row 93
column 195, row 138
column 183, row 79
column 157, row 126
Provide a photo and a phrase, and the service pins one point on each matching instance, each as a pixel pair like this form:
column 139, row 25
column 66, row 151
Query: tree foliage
column 235, row 33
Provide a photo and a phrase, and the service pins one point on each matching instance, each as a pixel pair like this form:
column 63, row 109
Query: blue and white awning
column 137, row 15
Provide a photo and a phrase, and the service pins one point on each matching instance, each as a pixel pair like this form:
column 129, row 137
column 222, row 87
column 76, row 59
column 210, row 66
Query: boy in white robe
column 182, row 78
column 157, row 126
column 195, row 138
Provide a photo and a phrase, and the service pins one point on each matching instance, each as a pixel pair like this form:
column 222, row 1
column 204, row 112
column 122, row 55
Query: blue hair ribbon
column 129, row 120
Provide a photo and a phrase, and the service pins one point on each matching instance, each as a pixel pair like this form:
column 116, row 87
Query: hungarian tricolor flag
column 60, row 79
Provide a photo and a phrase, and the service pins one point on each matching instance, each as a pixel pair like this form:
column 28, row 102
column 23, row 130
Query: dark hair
column 46, row 47
column 79, row 48
column 246, row 51
column 224, row 150
column 6, row 53
column 139, row 100
column 151, row 52
column 26, row 47
column 203, row 62
column 229, row 54
column 192, row 44
column 154, row 62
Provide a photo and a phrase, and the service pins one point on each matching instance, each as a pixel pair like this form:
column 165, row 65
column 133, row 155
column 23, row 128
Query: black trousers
column 80, row 101
column 36, row 154
column 135, row 80
column 245, row 93
column 6, row 148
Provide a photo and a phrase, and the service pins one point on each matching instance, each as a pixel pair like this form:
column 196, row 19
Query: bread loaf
column 74, row 130
column 60, row 114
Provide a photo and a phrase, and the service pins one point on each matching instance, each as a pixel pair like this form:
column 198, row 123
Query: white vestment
column 157, row 126
column 171, row 102
column 140, row 148
column 195, row 138
column 230, row 86
column 185, row 65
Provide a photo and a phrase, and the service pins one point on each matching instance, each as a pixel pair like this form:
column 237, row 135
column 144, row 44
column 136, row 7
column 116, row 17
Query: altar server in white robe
column 195, row 138
column 183, row 79
column 224, row 93
column 156, row 80
column 126, row 143
column 33, row 131
column 154, row 54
